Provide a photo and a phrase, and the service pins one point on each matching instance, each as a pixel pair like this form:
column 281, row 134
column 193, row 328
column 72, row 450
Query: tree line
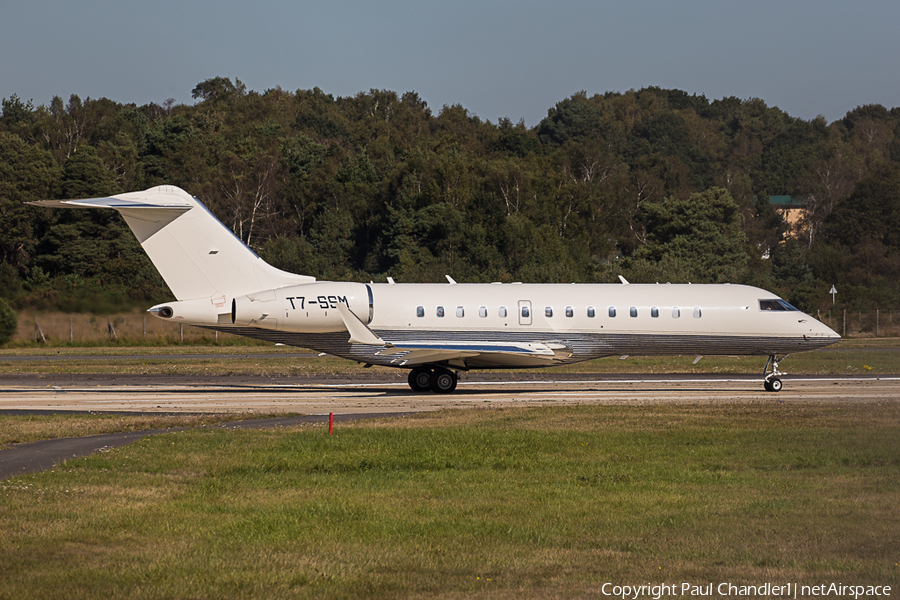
column 655, row 185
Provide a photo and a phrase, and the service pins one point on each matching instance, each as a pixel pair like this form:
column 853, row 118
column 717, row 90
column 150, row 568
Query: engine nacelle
column 208, row 311
column 305, row 308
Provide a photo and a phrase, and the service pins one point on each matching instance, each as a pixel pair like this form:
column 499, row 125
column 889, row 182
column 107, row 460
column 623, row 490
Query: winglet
column 359, row 333
column 623, row 280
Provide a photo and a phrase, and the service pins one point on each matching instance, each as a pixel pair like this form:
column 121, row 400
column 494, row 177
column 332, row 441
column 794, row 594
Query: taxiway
column 330, row 396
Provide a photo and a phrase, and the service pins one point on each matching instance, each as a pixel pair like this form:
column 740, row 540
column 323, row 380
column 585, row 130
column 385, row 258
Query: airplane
column 438, row 330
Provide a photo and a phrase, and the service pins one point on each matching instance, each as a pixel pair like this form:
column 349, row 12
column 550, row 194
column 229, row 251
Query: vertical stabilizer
column 197, row 256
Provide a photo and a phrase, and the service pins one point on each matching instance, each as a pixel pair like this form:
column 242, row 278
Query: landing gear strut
column 438, row 380
column 771, row 381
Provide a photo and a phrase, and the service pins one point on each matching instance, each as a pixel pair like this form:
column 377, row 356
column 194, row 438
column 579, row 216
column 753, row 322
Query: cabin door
column 524, row 312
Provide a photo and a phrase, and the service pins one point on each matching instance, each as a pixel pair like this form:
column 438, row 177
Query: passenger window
column 502, row 312
column 525, row 312
column 420, row 311
column 633, row 311
column 548, row 311
column 570, row 312
column 482, row 311
column 612, row 311
column 654, row 312
column 676, row 312
column 440, row 311
column 697, row 312
column 460, row 311
column 590, row 312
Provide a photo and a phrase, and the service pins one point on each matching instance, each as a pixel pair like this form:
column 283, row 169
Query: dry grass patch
column 15, row 429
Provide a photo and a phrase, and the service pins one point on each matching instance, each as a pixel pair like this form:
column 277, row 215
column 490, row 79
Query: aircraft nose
column 820, row 332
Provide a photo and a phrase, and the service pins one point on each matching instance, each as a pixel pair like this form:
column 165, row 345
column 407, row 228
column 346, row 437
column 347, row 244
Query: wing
column 455, row 353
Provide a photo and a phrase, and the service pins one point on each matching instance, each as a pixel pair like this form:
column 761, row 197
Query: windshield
column 775, row 304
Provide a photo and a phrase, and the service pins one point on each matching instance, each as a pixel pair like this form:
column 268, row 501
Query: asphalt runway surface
column 315, row 398
column 391, row 394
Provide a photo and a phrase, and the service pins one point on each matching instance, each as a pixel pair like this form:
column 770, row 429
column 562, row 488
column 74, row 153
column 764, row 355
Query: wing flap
column 426, row 351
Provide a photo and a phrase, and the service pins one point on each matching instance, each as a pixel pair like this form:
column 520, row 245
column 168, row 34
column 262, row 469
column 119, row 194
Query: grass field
column 547, row 502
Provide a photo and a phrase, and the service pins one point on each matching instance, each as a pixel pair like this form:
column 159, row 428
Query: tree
column 15, row 111
column 27, row 173
column 571, row 119
column 703, row 231
column 764, row 226
column 85, row 176
column 218, row 89
column 872, row 211
column 9, row 323
column 794, row 277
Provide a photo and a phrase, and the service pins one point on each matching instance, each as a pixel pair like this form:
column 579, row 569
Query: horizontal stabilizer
column 118, row 203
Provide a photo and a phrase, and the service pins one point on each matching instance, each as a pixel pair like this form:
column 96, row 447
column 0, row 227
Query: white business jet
column 438, row 330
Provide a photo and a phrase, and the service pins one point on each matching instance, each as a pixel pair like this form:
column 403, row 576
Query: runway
column 349, row 400
column 329, row 396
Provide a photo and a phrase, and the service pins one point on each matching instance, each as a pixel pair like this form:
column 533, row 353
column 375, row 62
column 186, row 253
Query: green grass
column 479, row 503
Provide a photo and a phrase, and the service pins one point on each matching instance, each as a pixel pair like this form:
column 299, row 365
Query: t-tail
column 218, row 281
column 197, row 256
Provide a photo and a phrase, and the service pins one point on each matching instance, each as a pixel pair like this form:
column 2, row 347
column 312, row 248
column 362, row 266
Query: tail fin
column 197, row 256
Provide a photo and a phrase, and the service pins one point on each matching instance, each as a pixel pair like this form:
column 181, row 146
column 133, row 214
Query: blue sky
column 500, row 58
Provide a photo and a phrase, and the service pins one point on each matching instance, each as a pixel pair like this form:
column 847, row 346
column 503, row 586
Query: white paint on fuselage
column 724, row 310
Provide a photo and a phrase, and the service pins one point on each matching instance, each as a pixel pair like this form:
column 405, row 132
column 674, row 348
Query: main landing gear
column 771, row 381
column 438, row 380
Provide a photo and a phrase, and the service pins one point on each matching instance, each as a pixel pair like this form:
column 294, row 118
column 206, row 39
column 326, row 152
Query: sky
column 497, row 58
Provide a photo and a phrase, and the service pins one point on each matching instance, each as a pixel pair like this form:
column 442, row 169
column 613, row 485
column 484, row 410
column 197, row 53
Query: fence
column 136, row 328
column 140, row 328
column 862, row 323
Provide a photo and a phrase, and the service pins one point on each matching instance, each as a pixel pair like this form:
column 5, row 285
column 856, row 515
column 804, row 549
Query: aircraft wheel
column 420, row 379
column 443, row 381
column 767, row 385
column 775, row 385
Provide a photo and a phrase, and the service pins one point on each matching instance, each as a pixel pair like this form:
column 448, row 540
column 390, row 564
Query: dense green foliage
column 654, row 184
column 8, row 322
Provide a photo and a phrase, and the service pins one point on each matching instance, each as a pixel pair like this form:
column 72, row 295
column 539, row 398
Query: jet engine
column 305, row 308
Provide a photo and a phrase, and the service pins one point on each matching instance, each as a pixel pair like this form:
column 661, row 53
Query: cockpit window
column 775, row 304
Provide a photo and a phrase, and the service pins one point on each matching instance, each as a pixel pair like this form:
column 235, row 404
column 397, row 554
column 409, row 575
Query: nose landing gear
column 771, row 381
column 438, row 380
